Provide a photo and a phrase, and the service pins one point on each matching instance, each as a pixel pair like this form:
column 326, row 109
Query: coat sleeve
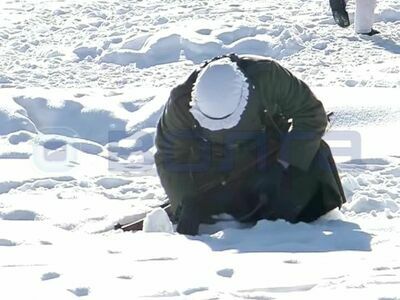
column 174, row 143
column 296, row 101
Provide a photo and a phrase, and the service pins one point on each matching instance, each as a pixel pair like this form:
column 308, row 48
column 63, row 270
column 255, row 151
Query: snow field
column 69, row 212
column 82, row 84
column 91, row 43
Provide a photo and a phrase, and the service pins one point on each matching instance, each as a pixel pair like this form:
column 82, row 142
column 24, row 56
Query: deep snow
column 77, row 157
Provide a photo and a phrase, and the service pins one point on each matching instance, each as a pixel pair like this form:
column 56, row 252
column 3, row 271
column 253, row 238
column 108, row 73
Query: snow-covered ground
column 82, row 84
column 65, row 43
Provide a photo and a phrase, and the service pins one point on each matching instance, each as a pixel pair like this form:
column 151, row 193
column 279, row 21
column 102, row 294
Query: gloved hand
column 270, row 182
column 189, row 218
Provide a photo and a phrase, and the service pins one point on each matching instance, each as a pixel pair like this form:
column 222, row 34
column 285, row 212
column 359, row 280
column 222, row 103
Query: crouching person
column 243, row 136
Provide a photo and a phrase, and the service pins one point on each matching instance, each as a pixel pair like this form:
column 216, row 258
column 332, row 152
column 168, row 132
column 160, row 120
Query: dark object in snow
column 372, row 32
column 339, row 12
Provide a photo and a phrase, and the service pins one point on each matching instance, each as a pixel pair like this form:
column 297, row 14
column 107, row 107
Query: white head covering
column 219, row 95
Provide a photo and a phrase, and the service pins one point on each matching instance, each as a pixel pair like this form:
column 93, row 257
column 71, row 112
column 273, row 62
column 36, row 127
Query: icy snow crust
column 76, row 158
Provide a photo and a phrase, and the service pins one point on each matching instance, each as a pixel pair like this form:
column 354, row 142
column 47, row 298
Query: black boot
column 372, row 32
column 339, row 13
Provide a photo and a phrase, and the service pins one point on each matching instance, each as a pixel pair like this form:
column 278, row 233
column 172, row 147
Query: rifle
column 138, row 224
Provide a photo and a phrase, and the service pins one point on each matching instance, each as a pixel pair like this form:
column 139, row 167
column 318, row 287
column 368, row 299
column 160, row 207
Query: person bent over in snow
column 242, row 135
column 364, row 16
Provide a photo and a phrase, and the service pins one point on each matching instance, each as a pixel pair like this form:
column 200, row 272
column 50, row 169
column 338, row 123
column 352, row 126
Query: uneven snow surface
column 82, row 84
column 73, row 43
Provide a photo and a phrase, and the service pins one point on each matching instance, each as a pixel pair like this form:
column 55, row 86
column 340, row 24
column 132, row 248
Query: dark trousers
column 303, row 196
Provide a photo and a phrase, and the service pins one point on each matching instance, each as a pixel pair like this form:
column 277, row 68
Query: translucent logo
column 52, row 151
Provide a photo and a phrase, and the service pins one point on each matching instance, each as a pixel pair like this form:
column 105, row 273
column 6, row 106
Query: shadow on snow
column 281, row 236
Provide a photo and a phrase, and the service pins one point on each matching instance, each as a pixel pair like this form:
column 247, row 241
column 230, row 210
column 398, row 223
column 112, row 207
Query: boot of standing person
column 339, row 12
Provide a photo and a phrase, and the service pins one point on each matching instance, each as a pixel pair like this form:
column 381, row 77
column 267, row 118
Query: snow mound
column 166, row 46
column 228, row 36
column 4, row 79
column 84, row 52
column 389, row 14
column 367, row 204
column 13, row 121
column 157, row 221
column 350, row 185
column 136, row 42
column 71, row 118
column 160, row 48
column 141, row 140
column 39, row 184
column 62, row 130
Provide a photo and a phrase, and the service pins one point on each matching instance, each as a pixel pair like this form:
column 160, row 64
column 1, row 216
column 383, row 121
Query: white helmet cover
column 219, row 95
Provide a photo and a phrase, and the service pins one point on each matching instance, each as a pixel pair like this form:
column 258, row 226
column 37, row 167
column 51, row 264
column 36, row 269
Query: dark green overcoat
column 192, row 161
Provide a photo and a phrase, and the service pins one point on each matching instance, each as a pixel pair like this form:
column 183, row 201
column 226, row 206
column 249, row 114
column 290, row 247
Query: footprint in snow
column 80, row 292
column 194, row 290
column 125, row 277
column 49, row 276
column 282, row 289
column 7, row 243
column 228, row 273
column 20, row 215
column 46, row 243
column 157, row 259
column 291, row 261
column 381, row 269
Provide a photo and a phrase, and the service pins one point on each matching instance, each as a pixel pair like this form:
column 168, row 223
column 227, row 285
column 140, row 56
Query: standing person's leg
column 339, row 12
column 364, row 17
